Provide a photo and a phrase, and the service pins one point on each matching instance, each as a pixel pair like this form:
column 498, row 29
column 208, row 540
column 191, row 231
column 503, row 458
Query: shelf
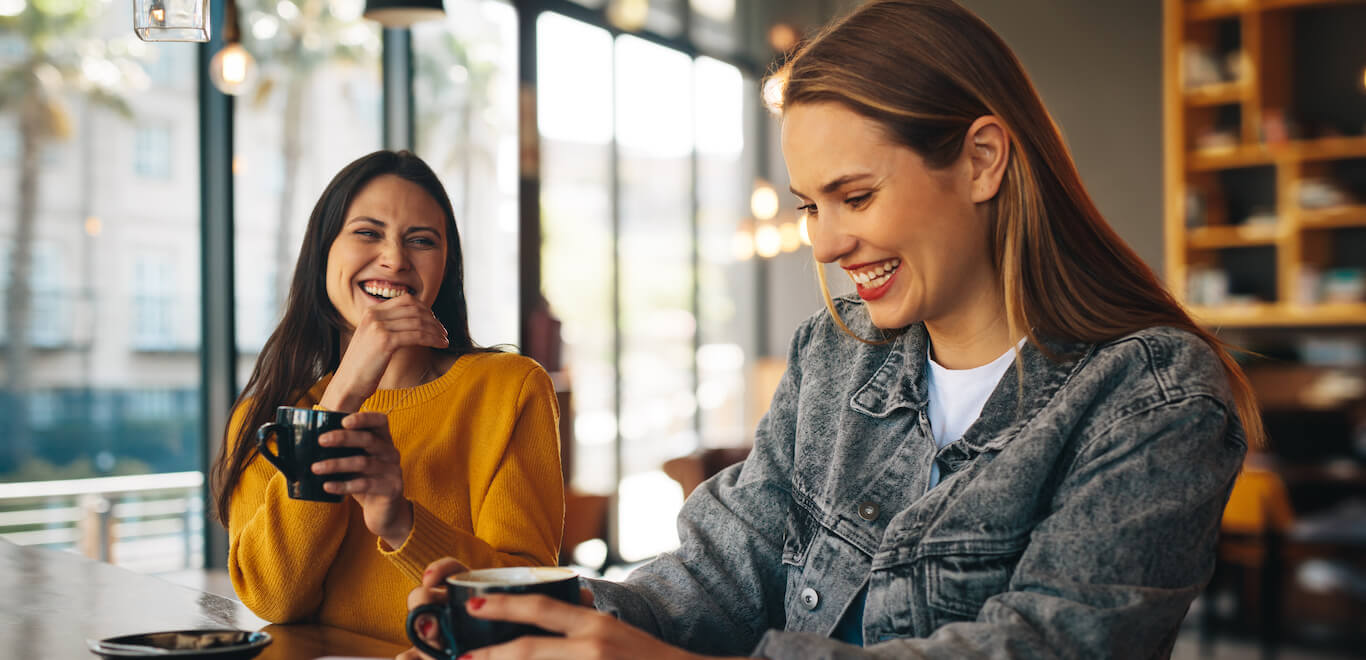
column 1231, row 236
column 1224, row 93
column 1333, row 148
column 1281, row 315
column 1204, row 10
column 1231, row 158
column 1270, row 5
column 1253, row 155
column 1333, row 218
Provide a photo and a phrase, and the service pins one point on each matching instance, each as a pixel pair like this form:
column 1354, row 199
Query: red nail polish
column 426, row 628
column 476, row 603
column 467, row 656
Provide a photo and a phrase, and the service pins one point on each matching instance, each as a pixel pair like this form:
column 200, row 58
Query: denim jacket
column 1076, row 518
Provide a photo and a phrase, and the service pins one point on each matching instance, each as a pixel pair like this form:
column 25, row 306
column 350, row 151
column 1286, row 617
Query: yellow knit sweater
column 479, row 450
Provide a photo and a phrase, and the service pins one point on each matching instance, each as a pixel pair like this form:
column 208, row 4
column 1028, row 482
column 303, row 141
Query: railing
column 150, row 523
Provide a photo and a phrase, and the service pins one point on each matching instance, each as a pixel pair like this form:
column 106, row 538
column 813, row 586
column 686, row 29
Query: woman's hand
column 587, row 632
column 397, row 323
column 378, row 485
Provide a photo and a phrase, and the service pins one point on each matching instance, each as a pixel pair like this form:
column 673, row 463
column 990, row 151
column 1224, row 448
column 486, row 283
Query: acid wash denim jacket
column 1076, row 518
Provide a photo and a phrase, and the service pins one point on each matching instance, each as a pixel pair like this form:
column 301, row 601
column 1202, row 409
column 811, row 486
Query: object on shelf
column 1276, row 128
column 1202, row 66
column 1344, row 285
column 1261, row 216
column 1220, row 139
column 1331, row 351
column 1195, row 209
column 1308, row 285
column 1319, row 193
column 1207, row 286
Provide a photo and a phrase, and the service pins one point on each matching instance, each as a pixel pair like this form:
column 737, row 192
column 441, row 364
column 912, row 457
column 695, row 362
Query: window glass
column 726, row 285
column 574, row 74
column 658, row 406
column 314, row 108
column 714, row 24
column 465, row 83
column 116, row 177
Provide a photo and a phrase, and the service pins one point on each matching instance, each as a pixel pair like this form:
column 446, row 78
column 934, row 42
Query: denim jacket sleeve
column 725, row 585
column 1111, row 569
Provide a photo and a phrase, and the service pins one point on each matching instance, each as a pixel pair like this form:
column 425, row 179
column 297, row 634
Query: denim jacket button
column 868, row 510
column 810, row 599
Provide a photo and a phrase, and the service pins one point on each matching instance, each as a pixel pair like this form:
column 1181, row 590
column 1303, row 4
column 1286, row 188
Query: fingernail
column 426, row 627
column 476, row 603
column 467, row 656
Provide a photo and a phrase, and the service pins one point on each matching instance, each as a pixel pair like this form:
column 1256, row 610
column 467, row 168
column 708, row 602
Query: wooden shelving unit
column 1246, row 108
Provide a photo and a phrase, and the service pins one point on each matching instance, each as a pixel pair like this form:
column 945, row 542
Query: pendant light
column 232, row 69
column 403, row 13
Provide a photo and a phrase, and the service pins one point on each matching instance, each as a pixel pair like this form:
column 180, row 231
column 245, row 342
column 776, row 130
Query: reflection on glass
column 100, row 326
column 574, row 71
column 465, row 79
column 654, row 133
column 315, row 108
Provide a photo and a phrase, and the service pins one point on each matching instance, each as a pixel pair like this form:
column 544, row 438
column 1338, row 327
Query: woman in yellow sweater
column 462, row 450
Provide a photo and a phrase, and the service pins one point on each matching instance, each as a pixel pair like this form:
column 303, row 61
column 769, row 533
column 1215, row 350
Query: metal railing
column 150, row 523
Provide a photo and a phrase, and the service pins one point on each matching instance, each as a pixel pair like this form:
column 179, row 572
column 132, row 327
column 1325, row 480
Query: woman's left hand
column 588, row 633
column 378, row 485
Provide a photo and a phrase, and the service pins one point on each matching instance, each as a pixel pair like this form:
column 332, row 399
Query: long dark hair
column 926, row 70
column 307, row 344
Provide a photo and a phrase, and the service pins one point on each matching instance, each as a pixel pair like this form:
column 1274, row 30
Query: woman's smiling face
column 911, row 238
column 392, row 242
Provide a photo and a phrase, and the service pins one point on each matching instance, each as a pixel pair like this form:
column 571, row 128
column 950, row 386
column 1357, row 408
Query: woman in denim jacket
column 879, row 514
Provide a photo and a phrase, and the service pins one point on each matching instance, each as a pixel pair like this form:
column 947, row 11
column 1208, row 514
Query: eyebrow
column 838, row 183
column 380, row 223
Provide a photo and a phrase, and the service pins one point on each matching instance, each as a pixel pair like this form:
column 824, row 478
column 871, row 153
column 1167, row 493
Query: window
column 112, row 273
column 635, row 259
column 152, row 152
column 465, row 77
column 320, row 113
column 51, row 321
column 153, row 303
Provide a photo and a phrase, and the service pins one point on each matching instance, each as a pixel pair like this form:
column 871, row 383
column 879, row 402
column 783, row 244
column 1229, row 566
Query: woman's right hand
column 394, row 324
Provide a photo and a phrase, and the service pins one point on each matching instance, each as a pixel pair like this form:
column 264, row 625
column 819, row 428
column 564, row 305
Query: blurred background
column 616, row 182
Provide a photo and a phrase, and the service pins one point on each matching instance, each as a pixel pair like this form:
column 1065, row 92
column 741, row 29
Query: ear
column 988, row 148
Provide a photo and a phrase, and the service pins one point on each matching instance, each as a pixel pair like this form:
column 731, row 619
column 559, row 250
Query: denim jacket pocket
column 800, row 529
column 959, row 583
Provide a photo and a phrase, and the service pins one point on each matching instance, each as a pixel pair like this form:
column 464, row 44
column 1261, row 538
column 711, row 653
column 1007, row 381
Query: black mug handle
column 265, row 432
column 442, row 623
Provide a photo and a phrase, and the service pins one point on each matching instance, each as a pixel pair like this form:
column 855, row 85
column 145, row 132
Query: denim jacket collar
column 901, row 383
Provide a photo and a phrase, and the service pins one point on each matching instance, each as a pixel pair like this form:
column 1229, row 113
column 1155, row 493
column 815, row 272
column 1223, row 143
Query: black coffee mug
column 296, row 432
column 463, row 633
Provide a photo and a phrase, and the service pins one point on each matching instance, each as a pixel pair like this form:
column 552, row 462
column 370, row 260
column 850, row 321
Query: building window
column 153, row 303
column 50, row 326
column 152, row 152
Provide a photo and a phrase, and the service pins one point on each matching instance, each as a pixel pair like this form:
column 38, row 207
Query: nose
column 829, row 240
column 393, row 256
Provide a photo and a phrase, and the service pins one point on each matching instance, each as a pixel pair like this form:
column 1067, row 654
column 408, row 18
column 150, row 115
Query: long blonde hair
column 926, row 70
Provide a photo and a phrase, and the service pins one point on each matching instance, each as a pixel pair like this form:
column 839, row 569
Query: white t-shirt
column 957, row 397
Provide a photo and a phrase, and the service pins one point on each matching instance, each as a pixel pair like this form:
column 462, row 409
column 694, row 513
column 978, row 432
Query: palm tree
column 60, row 63
column 296, row 40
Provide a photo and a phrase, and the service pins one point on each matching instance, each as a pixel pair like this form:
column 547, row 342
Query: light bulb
column 791, row 237
column 158, row 16
column 768, row 241
column 763, row 202
column 628, row 15
column 742, row 245
column 232, row 69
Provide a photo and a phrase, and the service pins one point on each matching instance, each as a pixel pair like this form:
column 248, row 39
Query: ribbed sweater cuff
column 430, row 540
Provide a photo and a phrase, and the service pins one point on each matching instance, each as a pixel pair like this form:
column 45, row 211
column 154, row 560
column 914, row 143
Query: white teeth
column 877, row 275
column 383, row 291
